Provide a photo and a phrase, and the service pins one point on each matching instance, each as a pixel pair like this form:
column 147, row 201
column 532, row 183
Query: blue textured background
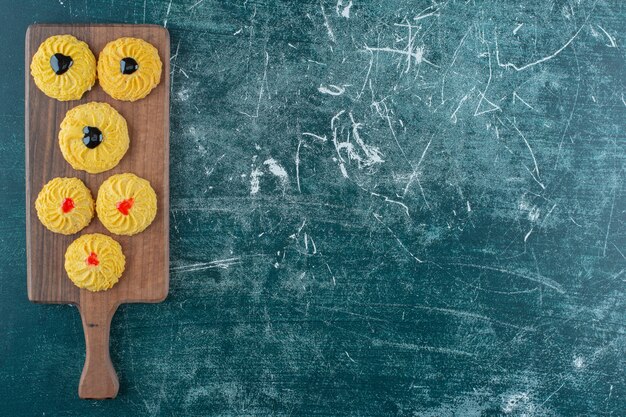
column 406, row 208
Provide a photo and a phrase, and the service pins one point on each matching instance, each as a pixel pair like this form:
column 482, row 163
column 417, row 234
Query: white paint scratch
column 380, row 106
column 378, row 217
column 369, row 70
column 417, row 53
column 343, row 170
column 329, row 30
column 515, row 95
column 333, row 90
column 343, row 11
column 620, row 252
column 466, row 314
column 196, row 4
column 554, row 392
column 167, row 13
column 493, row 107
column 425, row 15
column 261, row 88
column 183, row 94
column 571, row 113
column 297, row 157
column 255, row 184
column 201, row 266
column 432, row 349
column 297, row 163
column 608, row 226
column 314, row 245
column 387, row 199
column 579, row 362
column 372, row 155
column 331, row 274
column 611, row 38
column 539, row 61
column 454, row 57
column 411, row 51
column 369, row 155
column 530, row 277
column 534, row 213
column 465, row 97
column 427, row 12
column 513, row 402
column 548, row 214
column 321, row 138
column 528, row 234
column 277, row 171
column 415, row 175
column 532, row 154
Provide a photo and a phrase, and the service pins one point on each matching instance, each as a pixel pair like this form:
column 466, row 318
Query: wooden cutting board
column 146, row 277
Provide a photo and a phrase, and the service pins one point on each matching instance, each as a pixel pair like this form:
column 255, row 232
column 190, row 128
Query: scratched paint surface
column 378, row 208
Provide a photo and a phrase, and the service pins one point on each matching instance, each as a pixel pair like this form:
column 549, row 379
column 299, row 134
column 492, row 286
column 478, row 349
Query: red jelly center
column 92, row 259
column 124, row 206
column 67, row 205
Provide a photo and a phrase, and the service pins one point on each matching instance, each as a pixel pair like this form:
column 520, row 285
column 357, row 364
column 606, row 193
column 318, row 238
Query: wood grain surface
column 146, row 277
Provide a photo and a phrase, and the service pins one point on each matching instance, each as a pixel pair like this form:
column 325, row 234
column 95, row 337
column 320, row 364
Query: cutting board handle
column 98, row 380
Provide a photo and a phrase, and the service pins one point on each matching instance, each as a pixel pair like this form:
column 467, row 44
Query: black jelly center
column 60, row 63
column 128, row 65
column 93, row 136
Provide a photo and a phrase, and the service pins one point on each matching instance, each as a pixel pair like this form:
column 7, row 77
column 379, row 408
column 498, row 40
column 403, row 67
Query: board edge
column 166, row 103
column 27, row 41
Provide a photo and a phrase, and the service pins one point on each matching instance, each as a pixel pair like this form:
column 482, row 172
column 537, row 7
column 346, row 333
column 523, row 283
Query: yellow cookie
column 64, row 67
column 93, row 137
column 126, row 204
column 65, row 205
column 129, row 68
column 94, row 262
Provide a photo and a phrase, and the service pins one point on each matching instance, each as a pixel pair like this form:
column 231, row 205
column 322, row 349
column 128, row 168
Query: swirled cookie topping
column 65, row 205
column 93, row 137
column 129, row 68
column 94, row 262
column 64, row 68
column 126, row 204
